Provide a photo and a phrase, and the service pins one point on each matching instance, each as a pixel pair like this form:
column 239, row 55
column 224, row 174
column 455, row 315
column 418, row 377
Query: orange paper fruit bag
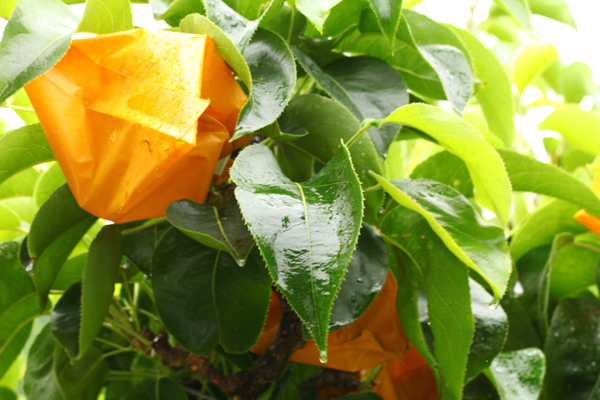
column 138, row 120
column 588, row 220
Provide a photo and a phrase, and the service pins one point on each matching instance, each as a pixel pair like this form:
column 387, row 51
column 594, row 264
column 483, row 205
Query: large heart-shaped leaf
column 19, row 305
column 480, row 246
column 205, row 299
column 23, row 148
column 273, row 72
column 485, row 166
column 36, row 37
column 220, row 227
column 366, row 275
column 57, row 228
column 368, row 87
column 106, row 16
column 518, row 375
column 306, row 232
column 420, row 258
column 327, row 123
column 78, row 316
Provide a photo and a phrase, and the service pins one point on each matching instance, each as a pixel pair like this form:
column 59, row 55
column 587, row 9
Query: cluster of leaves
column 356, row 154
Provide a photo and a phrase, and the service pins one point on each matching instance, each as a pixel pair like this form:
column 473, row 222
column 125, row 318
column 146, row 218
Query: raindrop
column 493, row 306
column 323, row 356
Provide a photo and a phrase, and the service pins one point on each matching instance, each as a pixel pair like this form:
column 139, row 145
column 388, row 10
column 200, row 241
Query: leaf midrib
column 216, row 211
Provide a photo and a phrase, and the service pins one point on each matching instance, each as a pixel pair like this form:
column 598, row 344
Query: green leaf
column 71, row 272
column 481, row 247
column 40, row 381
column 83, row 379
column 361, row 396
column 444, row 167
column 576, row 126
column 151, row 389
column 56, row 229
column 572, row 351
column 7, row 394
column 529, row 61
column 286, row 387
column 8, row 219
column 495, row 94
column 19, row 305
column 519, row 10
column 388, row 13
column 306, row 232
column 366, row 275
column 172, row 12
column 254, row 9
column 273, row 78
column 235, row 26
column 36, row 37
column 316, row 11
column 205, row 299
column 573, row 270
column 368, row 87
column 21, row 184
column 424, row 260
column 66, row 320
column 576, row 81
column 48, row 183
column 473, row 114
column 557, row 10
column 295, row 163
column 327, row 123
column 220, row 227
column 518, row 375
column 540, row 227
column 20, row 99
column 200, row 25
column 139, row 246
column 485, row 166
column 7, row 7
column 23, row 148
column 106, row 16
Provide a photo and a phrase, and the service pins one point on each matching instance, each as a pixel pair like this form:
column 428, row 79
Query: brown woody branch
column 343, row 381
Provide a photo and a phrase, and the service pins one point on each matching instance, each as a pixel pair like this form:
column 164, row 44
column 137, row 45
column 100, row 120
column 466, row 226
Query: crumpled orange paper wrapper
column 589, row 221
column 139, row 119
column 373, row 339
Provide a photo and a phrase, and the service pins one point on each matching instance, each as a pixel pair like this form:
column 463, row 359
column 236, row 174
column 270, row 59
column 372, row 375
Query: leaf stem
column 373, row 188
column 115, row 324
column 108, row 342
column 19, row 108
column 142, row 227
column 357, row 135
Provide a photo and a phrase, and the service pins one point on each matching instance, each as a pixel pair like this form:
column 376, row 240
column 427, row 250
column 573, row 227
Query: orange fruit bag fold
column 589, row 221
column 139, row 119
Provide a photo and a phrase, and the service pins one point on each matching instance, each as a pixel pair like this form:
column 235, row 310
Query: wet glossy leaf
column 164, row 389
column 19, row 305
column 518, row 375
column 21, row 149
column 36, row 37
column 480, row 246
column 172, row 12
column 573, row 351
column 576, row 126
column 529, row 61
column 40, row 381
column 199, row 24
column 295, row 163
column 106, row 16
column 51, row 179
column 327, row 123
column 139, row 246
column 56, row 229
column 220, row 227
column 235, row 26
column 316, row 11
column 204, row 298
column 519, row 10
column 368, row 87
column 444, row 167
column 485, row 166
column 366, row 274
column 21, row 184
column 494, row 94
column 306, row 232
column 273, row 78
column 540, row 227
column 388, row 14
column 425, row 261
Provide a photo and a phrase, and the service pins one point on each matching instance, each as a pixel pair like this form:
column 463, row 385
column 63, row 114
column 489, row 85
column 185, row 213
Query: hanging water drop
column 493, row 306
column 322, row 356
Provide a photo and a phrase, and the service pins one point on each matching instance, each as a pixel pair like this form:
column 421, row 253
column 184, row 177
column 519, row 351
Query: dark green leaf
column 235, row 26
column 172, row 12
column 21, row 149
column 150, row 389
column 444, row 167
column 254, row 9
column 220, row 227
column 56, row 229
column 522, row 332
column 424, row 260
column 295, row 163
column 361, row 396
column 480, row 246
column 51, row 179
column 327, row 123
column 273, row 78
column 518, row 375
column 204, row 298
column 82, row 380
column 66, row 319
column 388, row 13
column 21, row 184
column 40, row 381
column 365, row 277
column 139, row 246
column 306, row 232
column 286, row 387
column 36, row 37
column 106, row 16
column 574, row 269
column 7, row 394
column 285, row 19
column 19, row 305
column 316, row 11
column 573, row 351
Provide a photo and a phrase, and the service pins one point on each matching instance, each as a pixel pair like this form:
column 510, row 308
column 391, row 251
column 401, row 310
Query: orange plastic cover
column 373, row 339
column 138, row 119
column 589, row 221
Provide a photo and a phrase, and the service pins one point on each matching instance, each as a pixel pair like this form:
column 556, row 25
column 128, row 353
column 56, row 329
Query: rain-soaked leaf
column 518, row 375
